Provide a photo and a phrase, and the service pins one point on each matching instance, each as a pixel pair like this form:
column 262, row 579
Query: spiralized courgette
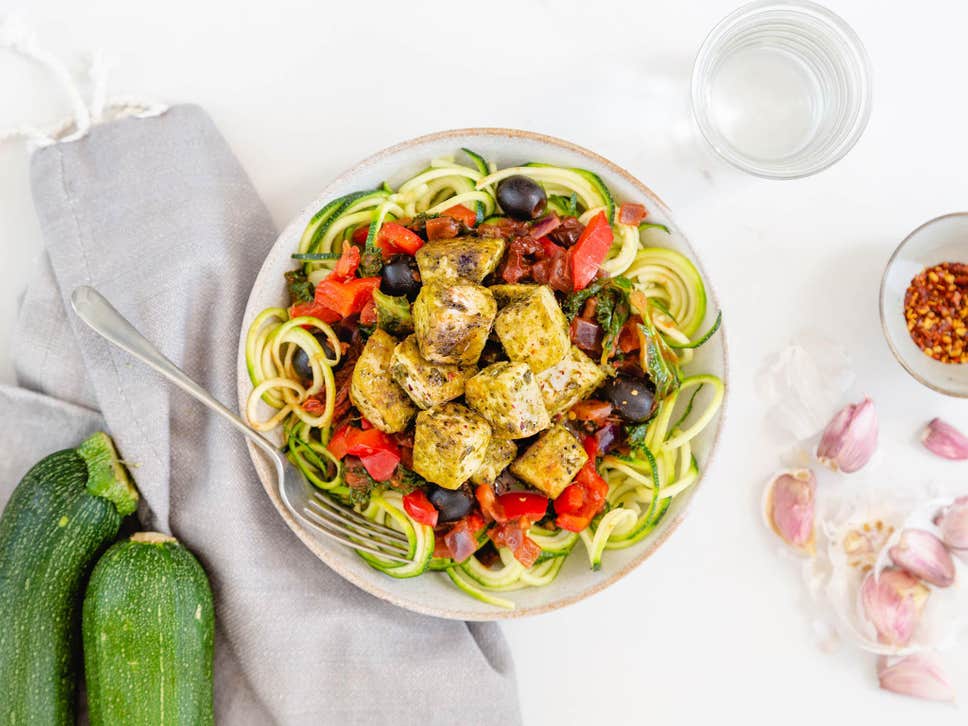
column 642, row 484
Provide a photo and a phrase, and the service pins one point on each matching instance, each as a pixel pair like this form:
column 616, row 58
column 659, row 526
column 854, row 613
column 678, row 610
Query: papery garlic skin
column 918, row 675
column 953, row 523
column 924, row 556
column 789, row 504
column 850, row 439
column 892, row 602
column 943, row 439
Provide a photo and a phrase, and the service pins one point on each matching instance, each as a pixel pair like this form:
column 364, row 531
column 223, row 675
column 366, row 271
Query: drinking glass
column 782, row 89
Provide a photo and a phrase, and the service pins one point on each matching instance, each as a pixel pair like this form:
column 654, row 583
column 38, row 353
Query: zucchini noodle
column 642, row 484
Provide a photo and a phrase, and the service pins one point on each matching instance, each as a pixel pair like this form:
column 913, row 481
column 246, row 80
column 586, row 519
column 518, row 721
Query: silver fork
column 323, row 513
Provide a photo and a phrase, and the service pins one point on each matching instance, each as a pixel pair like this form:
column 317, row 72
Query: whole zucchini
column 148, row 629
column 61, row 516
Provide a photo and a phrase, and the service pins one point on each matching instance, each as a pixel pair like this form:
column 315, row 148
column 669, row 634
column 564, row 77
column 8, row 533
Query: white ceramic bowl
column 943, row 239
column 433, row 593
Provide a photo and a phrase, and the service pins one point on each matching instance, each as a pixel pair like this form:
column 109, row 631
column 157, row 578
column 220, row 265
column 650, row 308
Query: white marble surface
column 712, row 628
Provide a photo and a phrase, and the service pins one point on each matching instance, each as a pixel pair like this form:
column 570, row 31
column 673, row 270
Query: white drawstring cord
column 17, row 37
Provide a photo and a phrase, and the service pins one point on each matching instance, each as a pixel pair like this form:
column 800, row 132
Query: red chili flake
column 936, row 311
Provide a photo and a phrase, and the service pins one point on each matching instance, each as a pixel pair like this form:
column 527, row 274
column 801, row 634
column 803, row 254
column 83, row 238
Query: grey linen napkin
column 158, row 214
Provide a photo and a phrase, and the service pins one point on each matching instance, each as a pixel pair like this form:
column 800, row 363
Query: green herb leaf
column 660, row 361
column 299, row 287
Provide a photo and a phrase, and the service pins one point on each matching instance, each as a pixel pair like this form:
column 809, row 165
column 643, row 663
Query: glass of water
column 782, row 89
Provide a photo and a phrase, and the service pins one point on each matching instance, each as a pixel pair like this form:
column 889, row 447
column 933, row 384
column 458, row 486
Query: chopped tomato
column 595, row 412
column 628, row 337
column 526, row 505
column 313, row 406
column 514, row 536
column 395, row 237
column 631, row 213
column 376, row 450
column 590, row 251
column 462, row 214
column 420, row 509
column 347, row 263
column 346, row 298
column 442, row 228
column 314, row 310
column 368, row 313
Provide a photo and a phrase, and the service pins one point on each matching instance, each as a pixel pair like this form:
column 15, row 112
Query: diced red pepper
column 526, row 505
column 549, row 248
column 360, row 234
column 590, row 251
column 314, row 310
column 462, row 214
column 376, row 450
column 347, row 263
column 395, row 237
column 442, row 228
column 488, row 502
column 631, row 213
column 420, row 509
column 346, row 298
column 577, row 508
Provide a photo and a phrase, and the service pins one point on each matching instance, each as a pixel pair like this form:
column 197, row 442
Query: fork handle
column 94, row 309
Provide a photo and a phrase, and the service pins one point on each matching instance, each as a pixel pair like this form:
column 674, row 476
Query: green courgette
column 148, row 629
column 66, row 510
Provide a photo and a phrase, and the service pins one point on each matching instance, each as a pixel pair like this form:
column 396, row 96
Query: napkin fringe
column 17, row 37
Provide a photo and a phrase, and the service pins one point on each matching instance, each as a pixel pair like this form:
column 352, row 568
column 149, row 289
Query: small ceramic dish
column 943, row 239
column 433, row 593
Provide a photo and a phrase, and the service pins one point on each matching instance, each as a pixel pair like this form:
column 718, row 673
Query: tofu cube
column 570, row 380
column 507, row 293
column 551, row 462
column 427, row 384
column 533, row 330
column 449, row 444
column 467, row 258
column 507, row 395
column 452, row 320
column 374, row 392
column 500, row 453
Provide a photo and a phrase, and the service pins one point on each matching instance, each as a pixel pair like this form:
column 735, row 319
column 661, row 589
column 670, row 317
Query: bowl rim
column 882, row 303
column 387, row 593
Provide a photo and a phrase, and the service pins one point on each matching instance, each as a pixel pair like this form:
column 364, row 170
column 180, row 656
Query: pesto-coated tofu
column 533, row 330
column 468, row 258
column 374, row 392
column 449, row 444
column 507, row 293
column 569, row 381
column 452, row 320
column 551, row 462
column 427, row 384
column 507, row 395
column 500, row 453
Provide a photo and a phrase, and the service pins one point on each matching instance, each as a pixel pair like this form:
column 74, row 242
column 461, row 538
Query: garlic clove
column 850, row 439
column 924, row 556
column 953, row 523
column 918, row 675
column 893, row 602
column 945, row 440
column 789, row 508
